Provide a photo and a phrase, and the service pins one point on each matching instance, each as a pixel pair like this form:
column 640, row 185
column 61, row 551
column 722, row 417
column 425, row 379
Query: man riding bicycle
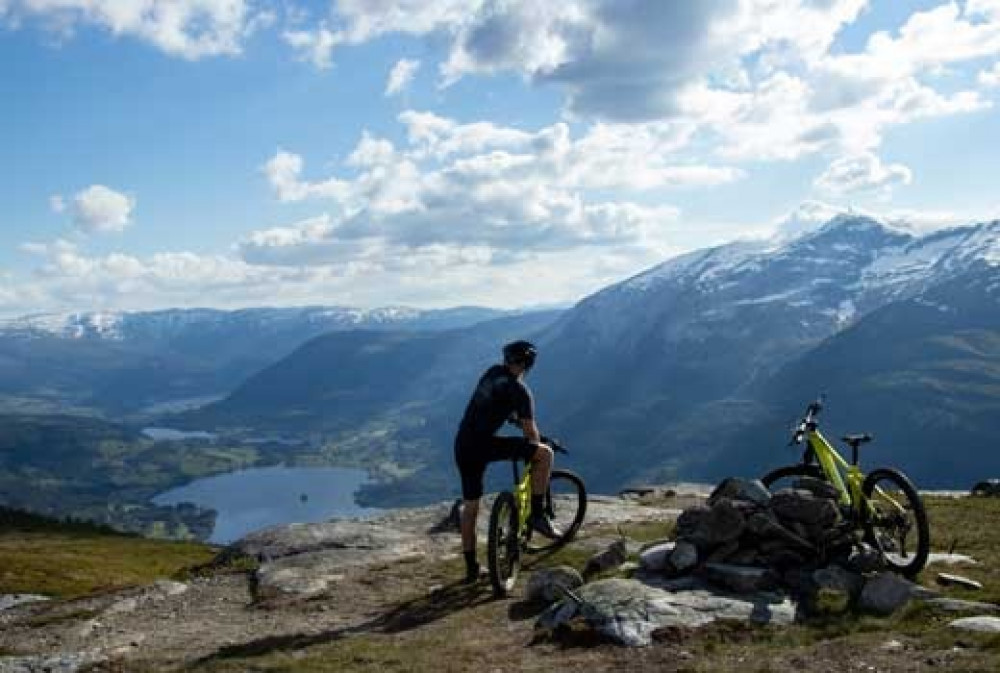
column 501, row 395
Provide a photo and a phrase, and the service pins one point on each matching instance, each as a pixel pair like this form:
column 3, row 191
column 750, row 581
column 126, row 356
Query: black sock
column 470, row 561
column 538, row 505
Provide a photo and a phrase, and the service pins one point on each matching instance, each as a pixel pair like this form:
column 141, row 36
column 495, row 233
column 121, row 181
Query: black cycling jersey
column 499, row 395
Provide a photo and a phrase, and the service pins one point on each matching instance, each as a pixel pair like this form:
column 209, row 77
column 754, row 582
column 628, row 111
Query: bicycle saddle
column 854, row 441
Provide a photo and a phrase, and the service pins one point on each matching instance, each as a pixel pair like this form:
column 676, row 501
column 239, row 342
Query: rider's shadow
column 412, row 614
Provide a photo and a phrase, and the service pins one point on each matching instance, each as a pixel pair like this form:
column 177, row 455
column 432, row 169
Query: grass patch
column 71, row 564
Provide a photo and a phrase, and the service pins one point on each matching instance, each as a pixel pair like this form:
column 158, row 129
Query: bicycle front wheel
column 896, row 521
column 566, row 505
column 503, row 546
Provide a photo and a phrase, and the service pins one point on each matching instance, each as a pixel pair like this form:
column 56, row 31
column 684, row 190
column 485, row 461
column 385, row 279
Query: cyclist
column 499, row 396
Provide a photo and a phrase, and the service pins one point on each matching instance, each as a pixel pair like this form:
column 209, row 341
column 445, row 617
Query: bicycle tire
column 566, row 515
column 797, row 470
column 503, row 552
column 919, row 512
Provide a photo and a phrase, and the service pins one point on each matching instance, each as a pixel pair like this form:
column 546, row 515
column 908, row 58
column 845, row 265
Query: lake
column 249, row 500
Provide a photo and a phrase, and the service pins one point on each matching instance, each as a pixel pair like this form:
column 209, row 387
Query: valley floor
column 410, row 614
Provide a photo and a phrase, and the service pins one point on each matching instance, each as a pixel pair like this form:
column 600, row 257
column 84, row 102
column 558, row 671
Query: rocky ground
column 382, row 595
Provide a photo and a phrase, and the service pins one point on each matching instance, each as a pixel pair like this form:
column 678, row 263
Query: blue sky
column 442, row 152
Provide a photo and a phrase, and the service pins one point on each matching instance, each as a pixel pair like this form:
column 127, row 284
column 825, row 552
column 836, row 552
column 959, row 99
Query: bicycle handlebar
column 551, row 441
column 808, row 421
column 554, row 443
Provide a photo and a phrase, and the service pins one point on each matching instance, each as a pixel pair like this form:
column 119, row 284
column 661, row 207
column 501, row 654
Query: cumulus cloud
column 313, row 46
column 758, row 79
column 97, row 209
column 862, row 173
column 284, row 172
column 401, row 75
column 990, row 78
column 482, row 191
column 432, row 275
column 190, row 29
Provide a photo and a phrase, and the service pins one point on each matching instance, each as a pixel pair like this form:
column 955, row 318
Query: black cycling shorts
column 473, row 455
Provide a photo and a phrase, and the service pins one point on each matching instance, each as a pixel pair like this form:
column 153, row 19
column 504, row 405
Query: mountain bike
column 510, row 535
column 883, row 505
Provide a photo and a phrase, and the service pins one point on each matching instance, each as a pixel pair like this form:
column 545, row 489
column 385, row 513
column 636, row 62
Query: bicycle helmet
column 520, row 353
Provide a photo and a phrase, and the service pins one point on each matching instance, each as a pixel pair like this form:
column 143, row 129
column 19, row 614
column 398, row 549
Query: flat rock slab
column 8, row 601
column 958, row 605
column 350, row 535
column 981, row 624
column 629, row 612
column 60, row 663
column 950, row 559
column 947, row 579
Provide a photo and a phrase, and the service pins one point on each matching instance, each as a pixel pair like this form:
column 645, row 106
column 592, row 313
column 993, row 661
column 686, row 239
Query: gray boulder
column 834, row 590
column 865, row 559
column 720, row 524
column 982, row 624
column 743, row 490
column 799, row 506
column 550, row 584
column 655, row 558
column 683, row 558
column 612, row 557
column 818, row 487
column 629, row 612
column 885, row 593
column 741, row 579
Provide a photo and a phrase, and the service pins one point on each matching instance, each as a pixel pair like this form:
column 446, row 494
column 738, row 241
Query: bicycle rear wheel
column 503, row 552
column 896, row 521
column 566, row 506
column 785, row 477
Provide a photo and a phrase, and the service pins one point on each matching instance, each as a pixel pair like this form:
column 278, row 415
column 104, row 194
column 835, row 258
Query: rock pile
column 748, row 539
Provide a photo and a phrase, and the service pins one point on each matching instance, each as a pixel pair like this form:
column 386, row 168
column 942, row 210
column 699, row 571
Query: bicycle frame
column 846, row 477
column 836, row 468
column 522, row 496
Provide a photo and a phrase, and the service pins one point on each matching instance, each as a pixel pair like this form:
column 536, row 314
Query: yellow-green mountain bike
column 883, row 505
column 510, row 536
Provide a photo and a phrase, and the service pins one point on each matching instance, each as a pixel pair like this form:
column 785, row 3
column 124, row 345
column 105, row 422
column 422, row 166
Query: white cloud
column 99, row 209
column 990, row 78
column 811, row 214
column 863, row 172
column 806, row 217
column 491, row 192
column 57, row 203
column 401, row 75
column 365, row 20
column 313, row 46
column 284, row 172
column 190, row 29
column 757, row 78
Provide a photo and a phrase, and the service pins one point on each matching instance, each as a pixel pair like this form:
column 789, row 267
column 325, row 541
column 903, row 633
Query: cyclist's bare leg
column 541, row 469
column 470, row 511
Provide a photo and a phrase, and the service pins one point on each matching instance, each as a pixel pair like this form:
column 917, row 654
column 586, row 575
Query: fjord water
column 249, row 500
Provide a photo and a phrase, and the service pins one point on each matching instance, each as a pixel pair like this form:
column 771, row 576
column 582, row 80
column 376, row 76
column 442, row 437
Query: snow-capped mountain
column 122, row 362
column 174, row 323
column 826, row 277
